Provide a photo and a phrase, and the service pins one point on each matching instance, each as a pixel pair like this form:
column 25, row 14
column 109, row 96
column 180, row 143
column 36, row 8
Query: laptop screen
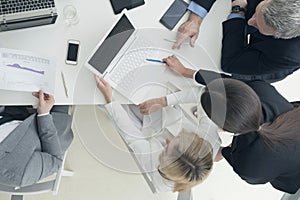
column 112, row 44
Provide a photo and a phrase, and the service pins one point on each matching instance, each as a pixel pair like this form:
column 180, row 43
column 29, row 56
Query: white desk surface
column 51, row 40
column 95, row 18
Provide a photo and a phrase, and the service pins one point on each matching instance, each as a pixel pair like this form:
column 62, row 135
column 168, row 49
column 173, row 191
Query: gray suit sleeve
column 48, row 136
column 47, row 161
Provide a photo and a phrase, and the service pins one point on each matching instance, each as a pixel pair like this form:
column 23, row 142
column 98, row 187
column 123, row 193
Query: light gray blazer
column 35, row 149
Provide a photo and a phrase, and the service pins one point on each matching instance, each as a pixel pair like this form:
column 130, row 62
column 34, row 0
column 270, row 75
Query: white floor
column 94, row 180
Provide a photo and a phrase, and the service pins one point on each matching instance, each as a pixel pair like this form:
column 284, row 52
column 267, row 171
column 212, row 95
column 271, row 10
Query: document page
column 26, row 71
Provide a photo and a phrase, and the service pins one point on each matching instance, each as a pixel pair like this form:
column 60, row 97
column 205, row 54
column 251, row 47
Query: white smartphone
column 72, row 52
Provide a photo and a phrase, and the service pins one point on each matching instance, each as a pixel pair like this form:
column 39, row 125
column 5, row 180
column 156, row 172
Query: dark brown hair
column 235, row 107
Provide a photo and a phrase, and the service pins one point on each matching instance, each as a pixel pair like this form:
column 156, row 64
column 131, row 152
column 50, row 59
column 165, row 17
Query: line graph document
column 26, row 71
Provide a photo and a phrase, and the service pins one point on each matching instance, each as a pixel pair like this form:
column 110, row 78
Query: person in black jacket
column 273, row 50
column 266, row 144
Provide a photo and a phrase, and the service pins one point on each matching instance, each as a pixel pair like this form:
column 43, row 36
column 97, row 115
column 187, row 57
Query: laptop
column 17, row 14
column 120, row 57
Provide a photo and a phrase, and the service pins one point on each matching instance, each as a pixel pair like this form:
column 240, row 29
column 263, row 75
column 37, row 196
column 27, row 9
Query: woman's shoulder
column 272, row 102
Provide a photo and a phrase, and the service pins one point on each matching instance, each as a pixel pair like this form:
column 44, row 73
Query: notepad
column 119, row 5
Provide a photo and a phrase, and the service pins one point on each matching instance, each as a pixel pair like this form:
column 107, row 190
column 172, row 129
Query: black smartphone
column 72, row 52
column 174, row 14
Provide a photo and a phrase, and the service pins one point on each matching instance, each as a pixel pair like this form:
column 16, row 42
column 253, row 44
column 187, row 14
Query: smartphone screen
column 72, row 52
column 174, row 14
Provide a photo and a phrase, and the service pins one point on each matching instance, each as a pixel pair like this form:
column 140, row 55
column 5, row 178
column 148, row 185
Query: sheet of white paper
column 26, row 71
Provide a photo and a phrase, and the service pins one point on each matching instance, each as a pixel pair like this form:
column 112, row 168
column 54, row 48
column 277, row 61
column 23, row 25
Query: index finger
column 141, row 105
column 180, row 40
column 97, row 78
column 166, row 61
column 41, row 95
column 35, row 94
column 104, row 81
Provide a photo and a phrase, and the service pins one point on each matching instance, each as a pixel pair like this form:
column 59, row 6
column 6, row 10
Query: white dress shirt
column 139, row 132
column 7, row 128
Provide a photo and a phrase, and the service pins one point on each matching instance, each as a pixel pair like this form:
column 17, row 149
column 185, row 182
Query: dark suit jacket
column 264, row 58
column 250, row 157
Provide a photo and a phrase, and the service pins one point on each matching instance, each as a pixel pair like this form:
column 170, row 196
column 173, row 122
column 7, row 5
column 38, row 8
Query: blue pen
column 153, row 60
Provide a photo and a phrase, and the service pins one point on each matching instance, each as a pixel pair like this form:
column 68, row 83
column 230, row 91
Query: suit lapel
column 9, row 143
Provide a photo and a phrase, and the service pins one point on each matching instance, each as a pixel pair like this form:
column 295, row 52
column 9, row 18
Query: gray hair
column 284, row 17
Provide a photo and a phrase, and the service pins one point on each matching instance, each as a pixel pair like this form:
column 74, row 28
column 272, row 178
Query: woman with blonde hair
column 186, row 161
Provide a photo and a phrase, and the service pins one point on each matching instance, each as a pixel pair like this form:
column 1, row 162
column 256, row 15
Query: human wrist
column 163, row 101
column 238, row 9
column 188, row 73
column 195, row 18
column 242, row 3
column 43, row 111
column 108, row 99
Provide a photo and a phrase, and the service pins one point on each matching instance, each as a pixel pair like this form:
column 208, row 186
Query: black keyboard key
column 13, row 6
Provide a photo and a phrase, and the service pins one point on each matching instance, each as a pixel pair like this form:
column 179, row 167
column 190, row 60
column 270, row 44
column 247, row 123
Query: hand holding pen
column 154, row 60
column 172, row 62
column 175, row 65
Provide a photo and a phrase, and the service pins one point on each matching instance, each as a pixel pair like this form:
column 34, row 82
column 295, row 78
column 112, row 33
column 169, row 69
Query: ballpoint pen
column 64, row 83
column 174, row 41
column 154, row 60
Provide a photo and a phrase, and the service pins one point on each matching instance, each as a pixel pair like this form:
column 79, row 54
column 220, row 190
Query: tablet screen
column 112, row 44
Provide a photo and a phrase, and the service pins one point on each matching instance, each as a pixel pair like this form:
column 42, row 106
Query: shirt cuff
column 44, row 114
column 197, row 9
column 194, row 77
column 172, row 99
column 235, row 15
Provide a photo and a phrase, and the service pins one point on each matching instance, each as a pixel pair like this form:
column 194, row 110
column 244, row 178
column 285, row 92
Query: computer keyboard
column 123, row 75
column 17, row 6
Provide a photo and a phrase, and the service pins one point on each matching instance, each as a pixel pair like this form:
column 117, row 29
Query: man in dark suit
column 273, row 51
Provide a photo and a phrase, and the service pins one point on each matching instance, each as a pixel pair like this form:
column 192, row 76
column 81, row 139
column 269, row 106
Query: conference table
column 94, row 19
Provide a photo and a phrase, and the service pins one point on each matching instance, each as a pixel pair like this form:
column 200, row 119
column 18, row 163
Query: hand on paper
column 105, row 88
column 46, row 102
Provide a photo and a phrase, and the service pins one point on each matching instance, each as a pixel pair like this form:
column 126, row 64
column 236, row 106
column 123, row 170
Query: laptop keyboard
column 123, row 75
column 16, row 6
